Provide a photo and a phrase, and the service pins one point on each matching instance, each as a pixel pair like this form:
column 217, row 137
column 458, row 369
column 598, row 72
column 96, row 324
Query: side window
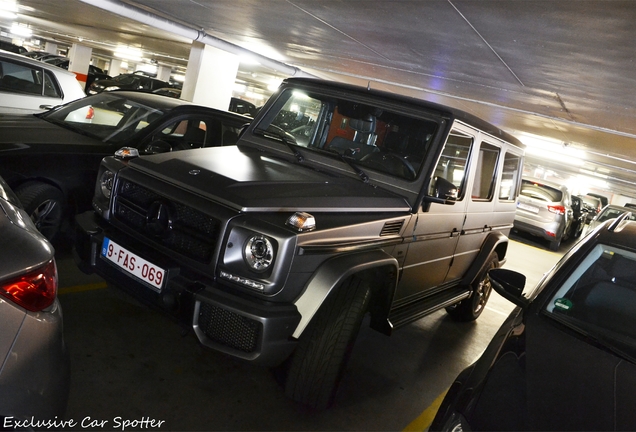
column 485, row 172
column 51, row 88
column 510, row 176
column 17, row 78
column 453, row 161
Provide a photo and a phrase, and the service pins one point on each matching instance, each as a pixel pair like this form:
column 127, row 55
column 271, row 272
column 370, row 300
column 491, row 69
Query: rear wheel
column 325, row 346
column 44, row 204
column 470, row 308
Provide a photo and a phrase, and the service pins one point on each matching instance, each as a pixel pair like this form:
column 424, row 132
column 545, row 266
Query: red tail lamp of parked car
column 34, row 290
column 558, row 209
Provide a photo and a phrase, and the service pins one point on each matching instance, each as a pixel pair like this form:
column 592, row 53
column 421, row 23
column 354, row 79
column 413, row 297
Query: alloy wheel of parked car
column 470, row 308
column 44, row 204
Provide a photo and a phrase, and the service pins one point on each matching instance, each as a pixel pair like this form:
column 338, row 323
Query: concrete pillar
column 50, row 47
column 80, row 59
column 210, row 76
column 163, row 73
column 115, row 67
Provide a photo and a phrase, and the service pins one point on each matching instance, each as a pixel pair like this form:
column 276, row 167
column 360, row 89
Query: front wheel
column 44, row 204
column 325, row 346
column 470, row 308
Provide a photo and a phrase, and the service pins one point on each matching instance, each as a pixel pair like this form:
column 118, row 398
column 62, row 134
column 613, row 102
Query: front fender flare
column 495, row 242
column 331, row 273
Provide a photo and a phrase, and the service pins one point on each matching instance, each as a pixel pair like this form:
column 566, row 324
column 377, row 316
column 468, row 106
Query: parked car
column 579, row 217
column 139, row 81
column 11, row 47
column 242, row 107
column 35, row 374
column 592, row 205
column 30, row 86
column 630, row 205
column 603, row 198
column 610, row 212
column 94, row 73
column 51, row 159
column 168, row 91
column 565, row 359
column 544, row 209
column 336, row 201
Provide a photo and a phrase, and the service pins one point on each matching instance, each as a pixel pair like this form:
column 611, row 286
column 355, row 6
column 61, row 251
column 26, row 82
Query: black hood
column 250, row 180
column 23, row 131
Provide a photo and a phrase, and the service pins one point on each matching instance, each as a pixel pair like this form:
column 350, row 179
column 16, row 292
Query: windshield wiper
column 285, row 137
column 350, row 161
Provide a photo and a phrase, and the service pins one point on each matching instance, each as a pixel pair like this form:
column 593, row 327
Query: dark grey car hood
column 20, row 130
column 250, row 180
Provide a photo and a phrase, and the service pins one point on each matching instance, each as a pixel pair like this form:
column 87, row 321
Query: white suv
column 31, row 86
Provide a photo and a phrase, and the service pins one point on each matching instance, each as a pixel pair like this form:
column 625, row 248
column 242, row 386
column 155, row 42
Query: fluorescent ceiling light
column 21, row 30
column 128, row 53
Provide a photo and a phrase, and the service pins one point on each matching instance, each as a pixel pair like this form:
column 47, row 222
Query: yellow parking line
column 81, row 288
column 424, row 420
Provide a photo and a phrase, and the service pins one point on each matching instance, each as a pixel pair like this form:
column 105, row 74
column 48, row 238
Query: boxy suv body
column 337, row 201
column 544, row 210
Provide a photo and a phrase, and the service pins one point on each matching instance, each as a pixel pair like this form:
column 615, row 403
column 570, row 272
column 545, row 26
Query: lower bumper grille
column 229, row 328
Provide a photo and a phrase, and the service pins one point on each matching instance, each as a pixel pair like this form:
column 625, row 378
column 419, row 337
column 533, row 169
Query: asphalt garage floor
column 134, row 369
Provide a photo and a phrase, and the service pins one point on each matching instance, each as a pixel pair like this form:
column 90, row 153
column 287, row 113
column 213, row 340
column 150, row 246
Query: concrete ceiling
column 561, row 69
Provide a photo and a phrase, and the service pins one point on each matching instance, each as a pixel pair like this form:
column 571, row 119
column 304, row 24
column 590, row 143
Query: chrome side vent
column 391, row 228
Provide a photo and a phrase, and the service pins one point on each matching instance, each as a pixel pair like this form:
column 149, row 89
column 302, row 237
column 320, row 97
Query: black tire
column 554, row 245
column 44, row 204
column 325, row 346
column 470, row 308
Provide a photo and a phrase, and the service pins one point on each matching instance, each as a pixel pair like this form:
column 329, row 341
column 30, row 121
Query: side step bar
column 410, row 312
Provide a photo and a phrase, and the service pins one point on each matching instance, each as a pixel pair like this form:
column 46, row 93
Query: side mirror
column 509, row 284
column 444, row 192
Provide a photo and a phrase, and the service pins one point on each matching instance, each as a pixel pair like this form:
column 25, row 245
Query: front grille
column 229, row 328
column 180, row 228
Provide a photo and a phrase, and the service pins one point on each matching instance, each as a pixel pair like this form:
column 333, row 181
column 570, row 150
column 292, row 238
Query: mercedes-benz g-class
column 337, row 201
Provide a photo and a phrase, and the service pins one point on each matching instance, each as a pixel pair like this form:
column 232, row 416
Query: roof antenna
column 369, row 86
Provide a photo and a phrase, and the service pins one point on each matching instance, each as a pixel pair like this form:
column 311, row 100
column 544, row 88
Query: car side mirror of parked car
column 509, row 284
column 444, row 192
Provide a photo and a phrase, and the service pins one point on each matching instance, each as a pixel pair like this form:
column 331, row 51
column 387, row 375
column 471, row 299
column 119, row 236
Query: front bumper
column 240, row 326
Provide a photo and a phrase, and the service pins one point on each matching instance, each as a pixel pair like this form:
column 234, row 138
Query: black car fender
column 495, row 242
column 376, row 267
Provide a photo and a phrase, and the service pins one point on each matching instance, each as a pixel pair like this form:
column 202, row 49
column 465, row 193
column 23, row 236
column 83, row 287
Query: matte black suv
column 336, row 201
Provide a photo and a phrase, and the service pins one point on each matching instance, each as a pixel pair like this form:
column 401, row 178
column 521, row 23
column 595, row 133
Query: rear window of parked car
column 540, row 191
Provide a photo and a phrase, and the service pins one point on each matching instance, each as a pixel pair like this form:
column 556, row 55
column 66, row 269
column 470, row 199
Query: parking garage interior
column 548, row 72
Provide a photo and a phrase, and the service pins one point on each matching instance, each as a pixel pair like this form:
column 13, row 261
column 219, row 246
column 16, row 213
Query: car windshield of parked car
column 599, row 298
column 109, row 117
column 365, row 135
column 540, row 191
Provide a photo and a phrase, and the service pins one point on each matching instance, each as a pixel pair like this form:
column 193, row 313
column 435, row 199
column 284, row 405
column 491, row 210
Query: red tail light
column 90, row 113
column 558, row 209
column 35, row 290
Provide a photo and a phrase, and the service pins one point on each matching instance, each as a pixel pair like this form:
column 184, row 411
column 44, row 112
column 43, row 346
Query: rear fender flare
column 335, row 270
column 495, row 242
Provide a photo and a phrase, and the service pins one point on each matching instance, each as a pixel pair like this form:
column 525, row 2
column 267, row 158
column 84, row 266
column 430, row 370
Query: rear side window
column 540, row 191
column 509, row 188
column 485, row 172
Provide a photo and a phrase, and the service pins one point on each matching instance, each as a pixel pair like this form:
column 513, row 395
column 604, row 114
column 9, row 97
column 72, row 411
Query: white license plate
column 527, row 207
column 133, row 264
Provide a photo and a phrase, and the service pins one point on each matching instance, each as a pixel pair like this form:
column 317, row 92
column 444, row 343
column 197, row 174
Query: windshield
column 599, row 298
column 109, row 117
column 372, row 138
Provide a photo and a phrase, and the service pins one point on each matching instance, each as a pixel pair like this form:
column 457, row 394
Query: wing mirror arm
column 509, row 284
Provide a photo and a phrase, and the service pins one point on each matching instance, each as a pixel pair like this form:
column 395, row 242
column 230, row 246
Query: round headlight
column 106, row 183
column 259, row 253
